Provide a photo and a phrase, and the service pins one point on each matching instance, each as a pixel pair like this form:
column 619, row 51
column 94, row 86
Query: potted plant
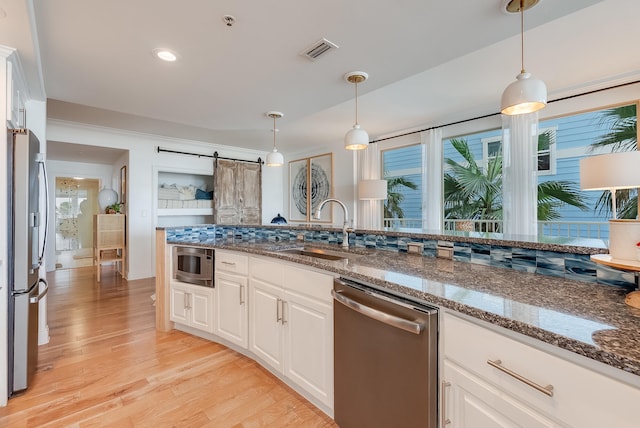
column 113, row 208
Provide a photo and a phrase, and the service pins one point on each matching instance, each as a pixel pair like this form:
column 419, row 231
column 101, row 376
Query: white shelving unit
column 183, row 216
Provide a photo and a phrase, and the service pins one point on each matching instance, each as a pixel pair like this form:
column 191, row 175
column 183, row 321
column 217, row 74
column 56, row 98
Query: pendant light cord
column 356, row 81
column 274, row 132
column 522, row 36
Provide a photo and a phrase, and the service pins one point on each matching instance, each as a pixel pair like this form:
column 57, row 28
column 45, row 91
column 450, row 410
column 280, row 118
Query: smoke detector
column 229, row 20
column 319, row 48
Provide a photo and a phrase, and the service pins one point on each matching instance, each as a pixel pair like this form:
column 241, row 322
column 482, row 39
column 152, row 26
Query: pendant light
column 274, row 158
column 526, row 94
column 357, row 138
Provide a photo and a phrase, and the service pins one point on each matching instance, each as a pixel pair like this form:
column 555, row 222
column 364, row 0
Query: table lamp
column 372, row 190
column 614, row 171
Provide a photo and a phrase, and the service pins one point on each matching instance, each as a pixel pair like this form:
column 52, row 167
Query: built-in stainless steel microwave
column 193, row 265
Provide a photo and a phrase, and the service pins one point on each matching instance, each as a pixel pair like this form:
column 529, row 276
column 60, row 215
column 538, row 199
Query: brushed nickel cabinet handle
column 443, row 401
column 546, row 390
column 278, row 310
column 242, row 294
column 228, row 263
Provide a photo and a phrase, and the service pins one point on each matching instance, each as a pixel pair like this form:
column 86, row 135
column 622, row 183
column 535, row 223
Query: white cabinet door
column 265, row 323
column 231, row 308
column 469, row 402
column 179, row 304
column 201, row 308
column 192, row 305
column 308, row 326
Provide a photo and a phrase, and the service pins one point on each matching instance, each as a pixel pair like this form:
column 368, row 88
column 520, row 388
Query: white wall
column 143, row 165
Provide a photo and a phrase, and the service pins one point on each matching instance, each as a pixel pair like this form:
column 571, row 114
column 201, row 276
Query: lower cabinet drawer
column 577, row 396
column 232, row 262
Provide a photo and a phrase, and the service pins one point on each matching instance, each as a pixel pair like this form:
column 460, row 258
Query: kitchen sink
column 314, row 252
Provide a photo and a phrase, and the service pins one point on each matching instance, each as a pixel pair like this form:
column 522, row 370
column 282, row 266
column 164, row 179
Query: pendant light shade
column 526, row 94
column 356, row 138
column 274, row 158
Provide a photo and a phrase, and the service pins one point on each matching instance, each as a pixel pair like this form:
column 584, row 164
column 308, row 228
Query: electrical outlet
column 444, row 250
column 415, row 247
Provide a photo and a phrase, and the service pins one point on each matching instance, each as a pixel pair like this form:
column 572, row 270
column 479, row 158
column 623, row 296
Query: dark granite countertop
column 588, row 319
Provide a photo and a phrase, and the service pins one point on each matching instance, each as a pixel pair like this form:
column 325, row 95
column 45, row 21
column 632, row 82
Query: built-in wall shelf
column 176, row 201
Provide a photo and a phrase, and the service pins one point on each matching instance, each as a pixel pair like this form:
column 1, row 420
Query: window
column 471, row 162
column 402, row 168
column 546, row 149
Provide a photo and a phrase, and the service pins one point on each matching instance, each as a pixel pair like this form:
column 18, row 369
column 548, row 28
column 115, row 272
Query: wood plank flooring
column 106, row 365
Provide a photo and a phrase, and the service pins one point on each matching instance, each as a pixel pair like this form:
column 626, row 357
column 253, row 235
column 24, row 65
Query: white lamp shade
column 356, row 139
column 525, row 95
column 611, row 171
column 372, row 190
column 275, row 158
column 107, row 197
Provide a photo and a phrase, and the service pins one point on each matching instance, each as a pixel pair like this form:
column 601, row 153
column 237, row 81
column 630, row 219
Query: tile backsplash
column 541, row 261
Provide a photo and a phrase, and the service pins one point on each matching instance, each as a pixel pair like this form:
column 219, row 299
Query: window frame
column 552, row 150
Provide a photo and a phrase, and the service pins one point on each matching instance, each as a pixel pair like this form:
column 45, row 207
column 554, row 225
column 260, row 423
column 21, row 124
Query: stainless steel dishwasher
column 385, row 360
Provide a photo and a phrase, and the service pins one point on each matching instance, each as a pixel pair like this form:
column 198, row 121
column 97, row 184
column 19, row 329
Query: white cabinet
column 491, row 379
column 471, row 402
column 192, row 305
column 16, row 111
column 231, row 302
column 291, row 324
column 266, row 323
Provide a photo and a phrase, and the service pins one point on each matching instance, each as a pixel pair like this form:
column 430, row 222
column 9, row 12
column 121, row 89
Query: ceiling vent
column 318, row 49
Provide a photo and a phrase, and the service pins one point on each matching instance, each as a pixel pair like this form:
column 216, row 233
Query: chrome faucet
column 345, row 226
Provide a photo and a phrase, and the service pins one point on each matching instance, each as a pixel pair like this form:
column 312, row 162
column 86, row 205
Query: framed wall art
column 123, row 185
column 310, row 182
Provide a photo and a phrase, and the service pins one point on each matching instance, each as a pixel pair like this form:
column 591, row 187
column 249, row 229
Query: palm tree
column 392, row 207
column 470, row 191
column 475, row 193
column 623, row 136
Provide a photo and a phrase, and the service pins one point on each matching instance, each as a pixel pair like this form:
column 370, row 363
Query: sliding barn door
column 237, row 192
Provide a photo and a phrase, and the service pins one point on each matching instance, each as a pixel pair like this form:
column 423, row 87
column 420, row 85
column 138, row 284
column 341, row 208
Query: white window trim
column 552, row 150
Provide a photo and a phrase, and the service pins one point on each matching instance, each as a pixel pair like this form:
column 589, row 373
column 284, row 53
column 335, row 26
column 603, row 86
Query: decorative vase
column 623, row 237
column 107, row 197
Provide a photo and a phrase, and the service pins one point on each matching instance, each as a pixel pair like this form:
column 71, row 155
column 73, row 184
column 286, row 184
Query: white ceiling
column 429, row 62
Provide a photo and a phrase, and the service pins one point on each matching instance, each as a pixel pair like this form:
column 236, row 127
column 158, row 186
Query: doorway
column 76, row 202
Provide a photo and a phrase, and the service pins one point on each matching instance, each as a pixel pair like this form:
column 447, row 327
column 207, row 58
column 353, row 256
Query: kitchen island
column 585, row 323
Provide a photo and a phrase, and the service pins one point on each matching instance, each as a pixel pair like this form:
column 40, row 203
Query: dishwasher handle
column 392, row 320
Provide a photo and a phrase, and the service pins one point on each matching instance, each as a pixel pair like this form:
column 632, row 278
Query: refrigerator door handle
column 43, row 293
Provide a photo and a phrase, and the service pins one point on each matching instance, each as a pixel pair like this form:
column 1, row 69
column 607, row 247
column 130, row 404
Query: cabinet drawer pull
column 228, row 263
column 242, row 294
column 278, row 310
column 547, row 390
column 443, row 402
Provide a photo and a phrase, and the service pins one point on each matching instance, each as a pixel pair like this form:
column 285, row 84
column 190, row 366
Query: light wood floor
column 107, row 366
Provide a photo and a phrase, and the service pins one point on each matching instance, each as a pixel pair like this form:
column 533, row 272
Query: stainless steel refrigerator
column 25, row 289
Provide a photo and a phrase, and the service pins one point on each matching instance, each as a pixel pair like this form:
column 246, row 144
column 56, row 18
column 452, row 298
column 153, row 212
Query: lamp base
column 623, row 237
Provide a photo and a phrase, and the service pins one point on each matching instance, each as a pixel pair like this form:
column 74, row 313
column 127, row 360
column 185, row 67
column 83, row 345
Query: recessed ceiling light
column 165, row 55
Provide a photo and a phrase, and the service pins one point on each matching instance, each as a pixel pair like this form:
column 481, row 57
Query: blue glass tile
column 501, row 256
column 610, row 276
column 480, row 254
column 550, row 260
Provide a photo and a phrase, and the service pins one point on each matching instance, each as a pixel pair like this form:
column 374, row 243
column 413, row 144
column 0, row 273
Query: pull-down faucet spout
column 345, row 226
